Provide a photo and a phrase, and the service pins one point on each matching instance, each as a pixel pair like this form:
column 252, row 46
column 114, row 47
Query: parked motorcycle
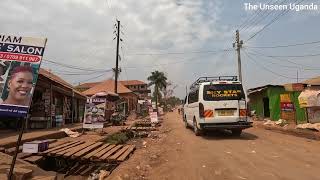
column 118, row 119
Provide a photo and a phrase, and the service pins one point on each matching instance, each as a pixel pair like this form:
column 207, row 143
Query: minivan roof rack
column 211, row 79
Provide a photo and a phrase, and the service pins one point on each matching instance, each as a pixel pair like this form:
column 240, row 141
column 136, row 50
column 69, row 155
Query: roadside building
column 310, row 99
column 138, row 87
column 130, row 99
column 277, row 101
column 55, row 102
column 86, row 86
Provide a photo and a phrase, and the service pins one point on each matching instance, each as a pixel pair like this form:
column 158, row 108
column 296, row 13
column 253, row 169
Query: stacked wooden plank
column 135, row 128
column 91, row 151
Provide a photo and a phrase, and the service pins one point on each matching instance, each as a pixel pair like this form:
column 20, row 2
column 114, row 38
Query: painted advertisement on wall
column 20, row 59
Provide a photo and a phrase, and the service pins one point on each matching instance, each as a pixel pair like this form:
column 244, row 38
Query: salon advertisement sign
column 94, row 115
column 20, row 59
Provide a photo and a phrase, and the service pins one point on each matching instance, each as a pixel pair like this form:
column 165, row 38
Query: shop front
column 310, row 100
column 55, row 103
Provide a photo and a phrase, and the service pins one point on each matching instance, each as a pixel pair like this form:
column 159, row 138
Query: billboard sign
column 287, row 106
column 94, row 116
column 20, row 59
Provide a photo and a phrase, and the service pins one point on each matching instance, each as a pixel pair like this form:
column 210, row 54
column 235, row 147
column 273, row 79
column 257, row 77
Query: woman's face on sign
column 20, row 85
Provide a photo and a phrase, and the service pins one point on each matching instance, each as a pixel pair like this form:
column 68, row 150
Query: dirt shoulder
column 257, row 154
column 290, row 130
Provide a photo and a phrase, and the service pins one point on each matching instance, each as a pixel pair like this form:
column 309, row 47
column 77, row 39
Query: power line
column 294, row 56
column 175, row 53
column 111, row 10
column 302, row 65
column 264, row 16
column 72, row 66
column 271, row 22
column 253, row 18
column 267, row 69
column 79, row 74
column 92, row 78
column 171, row 63
column 293, row 67
column 284, row 46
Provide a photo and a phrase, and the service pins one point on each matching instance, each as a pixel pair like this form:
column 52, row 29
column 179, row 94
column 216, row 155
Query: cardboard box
column 35, row 146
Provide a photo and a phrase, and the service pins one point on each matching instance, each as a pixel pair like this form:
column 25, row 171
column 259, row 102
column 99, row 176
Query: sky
column 186, row 39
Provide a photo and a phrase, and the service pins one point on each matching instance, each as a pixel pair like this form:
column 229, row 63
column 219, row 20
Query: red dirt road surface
column 177, row 153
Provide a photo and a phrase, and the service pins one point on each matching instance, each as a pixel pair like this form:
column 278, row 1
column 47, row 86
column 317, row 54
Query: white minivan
column 216, row 103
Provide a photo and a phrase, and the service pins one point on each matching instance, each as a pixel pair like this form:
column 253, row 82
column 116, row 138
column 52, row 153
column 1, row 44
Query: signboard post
column 20, row 59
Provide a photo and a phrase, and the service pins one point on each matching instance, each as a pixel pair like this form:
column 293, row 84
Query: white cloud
column 80, row 32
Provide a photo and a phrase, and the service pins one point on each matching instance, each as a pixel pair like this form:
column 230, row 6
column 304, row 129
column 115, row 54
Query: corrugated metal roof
column 88, row 85
column 58, row 80
column 313, row 81
column 257, row 89
column 107, row 85
column 132, row 82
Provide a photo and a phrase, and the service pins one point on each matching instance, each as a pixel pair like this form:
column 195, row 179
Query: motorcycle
column 117, row 119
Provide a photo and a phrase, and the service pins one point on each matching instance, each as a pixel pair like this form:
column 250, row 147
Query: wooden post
column 10, row 177
column 51, row 98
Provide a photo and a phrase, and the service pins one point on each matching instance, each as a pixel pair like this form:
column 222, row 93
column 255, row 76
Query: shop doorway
column 266, row 110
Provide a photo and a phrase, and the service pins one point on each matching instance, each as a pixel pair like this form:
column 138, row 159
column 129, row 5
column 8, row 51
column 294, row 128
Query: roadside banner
column 154, row 117
column 94, row 115
column 20, row 59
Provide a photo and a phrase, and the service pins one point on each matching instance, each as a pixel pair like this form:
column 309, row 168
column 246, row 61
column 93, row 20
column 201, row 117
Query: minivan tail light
column 201, row 110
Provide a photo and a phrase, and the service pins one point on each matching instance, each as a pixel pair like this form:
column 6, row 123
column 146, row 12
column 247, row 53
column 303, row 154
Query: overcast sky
column 183, row 38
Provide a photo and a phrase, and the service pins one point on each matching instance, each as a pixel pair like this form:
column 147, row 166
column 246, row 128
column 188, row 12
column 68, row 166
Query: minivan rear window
column 218, row 92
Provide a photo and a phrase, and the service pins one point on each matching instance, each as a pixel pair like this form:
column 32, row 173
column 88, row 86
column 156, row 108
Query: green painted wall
column 256, row 102
column 273, row 93
column 300, row 112
column 274, row 102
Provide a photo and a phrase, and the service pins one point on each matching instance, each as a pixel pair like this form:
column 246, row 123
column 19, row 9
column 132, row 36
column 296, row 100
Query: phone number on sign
column 19, row 57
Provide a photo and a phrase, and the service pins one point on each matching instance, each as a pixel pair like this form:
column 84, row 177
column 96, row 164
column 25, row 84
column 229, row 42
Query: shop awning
column 309, row 98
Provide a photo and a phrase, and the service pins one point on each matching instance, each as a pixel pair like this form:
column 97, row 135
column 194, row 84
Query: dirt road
column 257, row 154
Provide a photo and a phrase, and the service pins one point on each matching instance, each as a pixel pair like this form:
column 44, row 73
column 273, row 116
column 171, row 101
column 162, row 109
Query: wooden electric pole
column 238, row 45
column 117, row 58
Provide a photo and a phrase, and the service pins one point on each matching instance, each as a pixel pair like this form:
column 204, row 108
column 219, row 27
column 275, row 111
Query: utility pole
column 238, row 45
column 297, row 76
column 186, row 90
column 117, row 58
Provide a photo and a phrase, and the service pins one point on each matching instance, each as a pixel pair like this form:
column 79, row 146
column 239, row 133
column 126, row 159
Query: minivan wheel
column 196, row 130
column 185, row 122
column 236, row 132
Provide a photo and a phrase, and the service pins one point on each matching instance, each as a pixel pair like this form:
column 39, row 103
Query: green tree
column 159, row 80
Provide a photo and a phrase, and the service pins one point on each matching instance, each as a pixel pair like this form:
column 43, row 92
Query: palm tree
column 159, row 80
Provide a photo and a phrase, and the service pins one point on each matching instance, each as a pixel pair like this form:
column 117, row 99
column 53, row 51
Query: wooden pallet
column 134, row 128
column 91, row 151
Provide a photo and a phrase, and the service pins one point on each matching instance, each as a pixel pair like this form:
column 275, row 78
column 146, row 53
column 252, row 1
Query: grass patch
column 119, row 138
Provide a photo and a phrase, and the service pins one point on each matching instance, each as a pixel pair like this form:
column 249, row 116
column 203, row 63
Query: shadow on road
column 223, row 135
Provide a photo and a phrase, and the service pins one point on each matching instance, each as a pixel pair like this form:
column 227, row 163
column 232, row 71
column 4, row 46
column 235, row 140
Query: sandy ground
column 176, row 153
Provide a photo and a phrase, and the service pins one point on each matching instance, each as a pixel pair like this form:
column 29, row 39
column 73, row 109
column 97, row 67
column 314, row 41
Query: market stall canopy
column 110, row 96
column 309, row 98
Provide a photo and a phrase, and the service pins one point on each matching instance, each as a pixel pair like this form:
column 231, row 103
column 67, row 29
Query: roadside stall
column 310, row 100
column 54, row 103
